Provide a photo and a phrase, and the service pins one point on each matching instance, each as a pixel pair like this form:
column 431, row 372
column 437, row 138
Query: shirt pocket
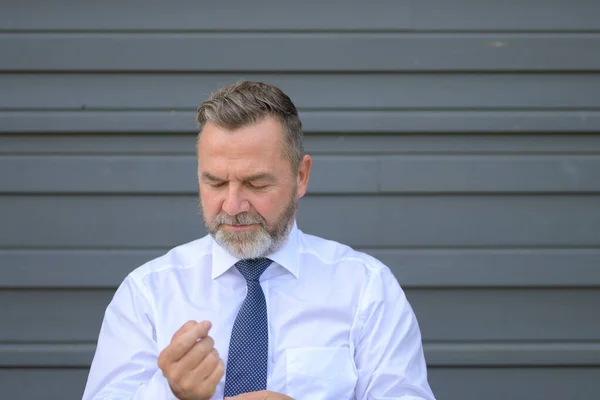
column 320, row 373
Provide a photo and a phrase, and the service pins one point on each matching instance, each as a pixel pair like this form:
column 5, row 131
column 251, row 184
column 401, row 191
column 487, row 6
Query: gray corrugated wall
column 458, row 141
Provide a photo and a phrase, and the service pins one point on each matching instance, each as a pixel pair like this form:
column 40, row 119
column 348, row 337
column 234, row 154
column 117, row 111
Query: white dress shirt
column 340, row 326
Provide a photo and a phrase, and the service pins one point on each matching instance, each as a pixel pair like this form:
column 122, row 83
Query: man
column 257, row 310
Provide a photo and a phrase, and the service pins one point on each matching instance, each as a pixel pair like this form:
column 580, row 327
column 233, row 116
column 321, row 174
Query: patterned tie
column 248, row 349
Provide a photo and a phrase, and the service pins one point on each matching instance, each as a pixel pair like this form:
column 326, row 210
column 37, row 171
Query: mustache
column 243, row 218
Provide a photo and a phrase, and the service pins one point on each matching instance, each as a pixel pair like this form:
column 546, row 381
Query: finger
column 181, row 345
column 215, row 377
column 203, row 328
column 194, row 376
column 206, row 367
column 184, row 328
column 196, row 354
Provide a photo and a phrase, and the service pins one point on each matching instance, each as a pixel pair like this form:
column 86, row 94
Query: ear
column 303, row 175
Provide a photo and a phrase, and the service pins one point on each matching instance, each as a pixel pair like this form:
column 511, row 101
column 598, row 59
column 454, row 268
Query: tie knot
column 252, row 268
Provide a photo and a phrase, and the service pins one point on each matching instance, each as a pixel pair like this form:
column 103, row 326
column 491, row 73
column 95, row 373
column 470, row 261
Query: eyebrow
column 260, row 177
column 256, row 177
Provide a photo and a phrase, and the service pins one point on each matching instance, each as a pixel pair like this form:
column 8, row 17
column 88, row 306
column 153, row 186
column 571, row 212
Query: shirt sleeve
column 388, row 352
column 125, row 363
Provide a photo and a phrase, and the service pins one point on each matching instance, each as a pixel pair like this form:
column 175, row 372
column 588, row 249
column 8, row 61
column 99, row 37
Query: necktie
column 249, row 345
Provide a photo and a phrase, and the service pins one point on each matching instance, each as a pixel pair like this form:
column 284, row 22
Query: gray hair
column 245, row 103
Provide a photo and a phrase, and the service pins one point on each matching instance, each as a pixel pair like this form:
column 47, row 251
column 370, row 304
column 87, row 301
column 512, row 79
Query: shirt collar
column 286, row 256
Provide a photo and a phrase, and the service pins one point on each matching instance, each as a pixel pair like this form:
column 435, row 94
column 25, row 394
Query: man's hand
column 262, row 395
column 191, row 364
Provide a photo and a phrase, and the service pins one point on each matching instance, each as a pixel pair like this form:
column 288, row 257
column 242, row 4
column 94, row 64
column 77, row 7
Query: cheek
column 210, row 204
column 269, row 206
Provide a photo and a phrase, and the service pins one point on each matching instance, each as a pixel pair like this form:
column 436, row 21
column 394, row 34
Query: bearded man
column 257, row 309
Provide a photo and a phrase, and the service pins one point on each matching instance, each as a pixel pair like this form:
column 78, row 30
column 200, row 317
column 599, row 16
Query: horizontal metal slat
column 331, row 174
column 269, row 15
column 414, row 268
column 474, row 221
column 79, row 355
column 309, row 52
column 450, row 122
column 315, row 91
column 480, row 143
column 444, row 315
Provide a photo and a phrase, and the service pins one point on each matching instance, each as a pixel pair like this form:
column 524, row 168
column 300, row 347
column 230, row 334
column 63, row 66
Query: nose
column 235, row 202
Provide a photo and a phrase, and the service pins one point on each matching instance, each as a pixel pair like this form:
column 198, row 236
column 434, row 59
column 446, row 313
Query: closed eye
column 217, row 184
column 257, row 187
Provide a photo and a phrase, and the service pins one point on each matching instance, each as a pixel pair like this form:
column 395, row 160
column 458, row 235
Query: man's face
column 248, row 190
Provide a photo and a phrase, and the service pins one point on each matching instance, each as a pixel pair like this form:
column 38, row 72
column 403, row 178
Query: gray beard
column 253, row 244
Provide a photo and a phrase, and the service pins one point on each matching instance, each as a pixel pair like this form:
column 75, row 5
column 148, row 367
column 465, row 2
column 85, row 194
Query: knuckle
column 172, row 346
column 210, row 391
column 165, row 367
column 188, row 325
column 207, row 389
column 203, row 348
column 177, row 347
column 163, row 359
column 163, row 356
column 209, row 341
column 212, row 355
column 175, row 376
column 186, row 384
column 220, row 369
column 184, row 328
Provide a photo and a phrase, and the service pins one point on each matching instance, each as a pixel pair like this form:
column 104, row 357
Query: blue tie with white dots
column 249, row 346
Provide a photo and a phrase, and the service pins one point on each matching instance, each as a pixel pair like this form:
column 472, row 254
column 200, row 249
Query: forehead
column 255, row 145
